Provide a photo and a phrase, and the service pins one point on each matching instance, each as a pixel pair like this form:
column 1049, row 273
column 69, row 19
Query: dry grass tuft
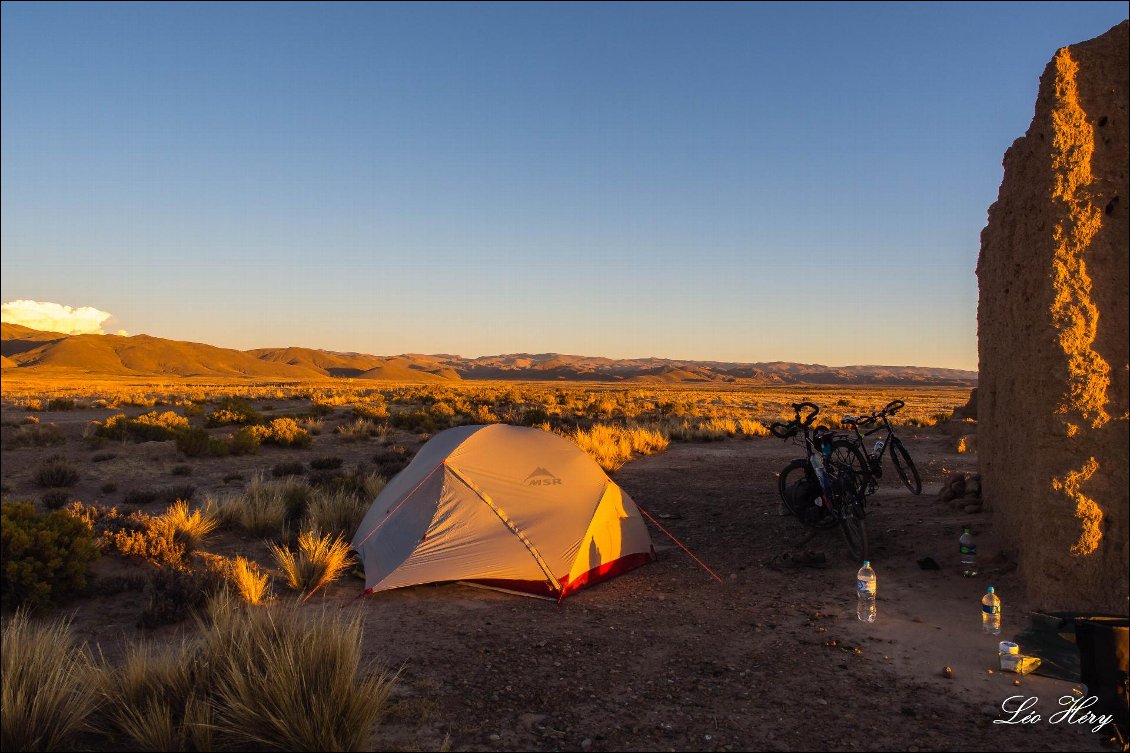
column 288, row 682
column 612, row 446
column 249, row 581
column 320, row 559
column 47, row 693
column 338, row 511
column 189, row 529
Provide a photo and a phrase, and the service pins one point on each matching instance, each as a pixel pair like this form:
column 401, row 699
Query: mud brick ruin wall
column 1052, row 336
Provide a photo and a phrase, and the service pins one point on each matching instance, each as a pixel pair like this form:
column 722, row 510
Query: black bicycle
column 871, row 464
column 822, row 489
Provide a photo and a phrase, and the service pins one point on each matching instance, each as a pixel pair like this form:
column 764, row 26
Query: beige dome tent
column 504, row 506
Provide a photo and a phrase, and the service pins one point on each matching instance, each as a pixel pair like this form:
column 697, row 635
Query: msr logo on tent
column 541, row 477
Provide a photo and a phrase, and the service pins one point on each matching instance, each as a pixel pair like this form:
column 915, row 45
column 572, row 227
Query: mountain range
column 34, row 351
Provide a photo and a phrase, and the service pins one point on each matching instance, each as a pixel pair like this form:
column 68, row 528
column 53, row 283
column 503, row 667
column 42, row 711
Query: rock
column 947, row 495
column 973, row 486
column 952, row 480
column 1052, row 335
column 947, row 672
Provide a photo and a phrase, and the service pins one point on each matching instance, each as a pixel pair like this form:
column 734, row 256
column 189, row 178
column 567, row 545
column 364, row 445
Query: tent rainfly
column 504, row 506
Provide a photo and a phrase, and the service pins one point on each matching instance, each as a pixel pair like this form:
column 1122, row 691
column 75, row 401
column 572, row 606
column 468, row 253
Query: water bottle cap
column 966, row 529
column 991, row 590
column 867, row 563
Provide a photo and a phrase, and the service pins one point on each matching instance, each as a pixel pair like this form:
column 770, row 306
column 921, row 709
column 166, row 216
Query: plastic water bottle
column 968, row 551
column 866, row 587
column 990, row 612
column 879, row 445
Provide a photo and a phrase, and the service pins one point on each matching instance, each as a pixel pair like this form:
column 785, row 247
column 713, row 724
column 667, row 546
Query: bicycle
column 872, row 466
column 822, row 490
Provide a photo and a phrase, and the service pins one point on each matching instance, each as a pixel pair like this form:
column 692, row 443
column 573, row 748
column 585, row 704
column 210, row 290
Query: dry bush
column 284, row 432
column 42, row 556
column 320, row 559
column 47, row 689
column 37, row 435
column 56, row 471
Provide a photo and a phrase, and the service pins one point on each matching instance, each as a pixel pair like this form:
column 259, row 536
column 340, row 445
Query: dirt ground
column 666, row 658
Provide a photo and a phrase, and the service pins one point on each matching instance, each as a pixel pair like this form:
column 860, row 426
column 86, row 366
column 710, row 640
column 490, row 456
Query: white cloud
column 122, row 333
column 54, row 317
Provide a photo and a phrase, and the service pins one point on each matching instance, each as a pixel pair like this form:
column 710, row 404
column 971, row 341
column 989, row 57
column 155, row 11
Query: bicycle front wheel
column 854, row 528
column 905, row 467
column 847, row 454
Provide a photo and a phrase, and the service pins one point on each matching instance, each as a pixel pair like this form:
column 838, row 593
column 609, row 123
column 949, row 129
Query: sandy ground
column 665, row 658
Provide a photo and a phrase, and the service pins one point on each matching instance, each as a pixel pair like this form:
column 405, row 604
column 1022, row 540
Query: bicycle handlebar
column 893, row 407
column 784, row 431
column 814, row 411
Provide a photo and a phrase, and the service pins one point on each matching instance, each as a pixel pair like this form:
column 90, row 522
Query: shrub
column 326, row 464
column 320, row 559
column 196, row 442
column 244, row 442
column 371, row 412
column 148, row 427
column 37, row 435
column 284, row 432
column 60, row 403
column 43, row 557
column 174, row 593
column 288, row 468
column 415, row 420
column 102, row 457
column 234, row 410
column 357, row 482
column 47, row 689
column 108, row 488
column 55, row 472
column 29, row 420
column 140, row 497
column 55, row 500
column 392, row 460
column 181, row 470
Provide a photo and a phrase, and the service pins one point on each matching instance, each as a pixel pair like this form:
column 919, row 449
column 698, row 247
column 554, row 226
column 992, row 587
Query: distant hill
column 143, row 355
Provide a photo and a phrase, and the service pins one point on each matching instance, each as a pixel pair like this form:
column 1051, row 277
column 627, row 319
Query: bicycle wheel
column 854, row 529
column 905, row 467
column 808, row 514
column 848, row 454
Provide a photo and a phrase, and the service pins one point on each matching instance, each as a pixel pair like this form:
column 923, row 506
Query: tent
column 504, row 506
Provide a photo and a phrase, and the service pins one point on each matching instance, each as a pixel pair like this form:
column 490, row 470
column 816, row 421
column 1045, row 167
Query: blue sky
column 800, row 182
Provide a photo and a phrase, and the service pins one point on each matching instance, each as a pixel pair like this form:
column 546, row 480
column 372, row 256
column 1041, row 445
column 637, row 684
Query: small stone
column 495, row 738
column 586, row 743
column 989, row 671
column 947, row 672
column 1016, row 682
